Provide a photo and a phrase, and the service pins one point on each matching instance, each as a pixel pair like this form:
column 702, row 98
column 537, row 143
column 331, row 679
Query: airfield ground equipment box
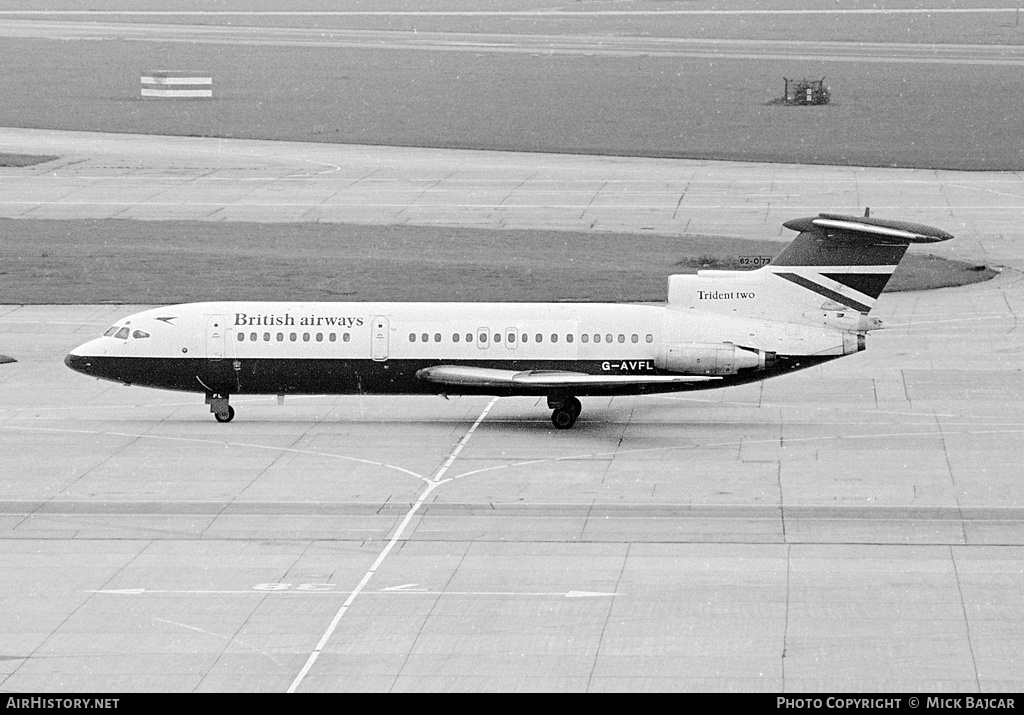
column 806, row 91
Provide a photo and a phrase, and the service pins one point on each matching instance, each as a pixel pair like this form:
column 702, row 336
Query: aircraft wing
column 464, row 376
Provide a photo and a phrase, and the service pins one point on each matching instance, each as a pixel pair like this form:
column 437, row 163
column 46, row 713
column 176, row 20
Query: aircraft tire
column 573, row 404
column 564, row 418
column 225, row 417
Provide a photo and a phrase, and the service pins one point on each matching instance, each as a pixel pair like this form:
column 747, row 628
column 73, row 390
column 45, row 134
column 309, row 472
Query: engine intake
column 711, row 358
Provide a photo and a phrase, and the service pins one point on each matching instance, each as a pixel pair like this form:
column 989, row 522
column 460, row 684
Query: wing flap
column 465, row 376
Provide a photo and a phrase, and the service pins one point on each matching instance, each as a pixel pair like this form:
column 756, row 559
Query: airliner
column 809, row 305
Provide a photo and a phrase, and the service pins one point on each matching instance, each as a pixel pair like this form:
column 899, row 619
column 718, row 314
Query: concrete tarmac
column 156, row 177
column 855, row 527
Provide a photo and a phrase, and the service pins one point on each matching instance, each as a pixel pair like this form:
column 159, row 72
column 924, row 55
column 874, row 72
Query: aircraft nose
column 83, row 358
column 78, row 363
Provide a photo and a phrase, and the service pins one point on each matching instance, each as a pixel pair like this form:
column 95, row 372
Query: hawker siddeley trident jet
column 719, row 328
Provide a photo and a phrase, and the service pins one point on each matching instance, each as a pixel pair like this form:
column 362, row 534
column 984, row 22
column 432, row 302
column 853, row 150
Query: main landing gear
column 566, row 411
column 222, row 411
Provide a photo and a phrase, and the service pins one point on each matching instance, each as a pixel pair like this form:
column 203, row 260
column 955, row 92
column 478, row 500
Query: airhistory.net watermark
column 41, row 703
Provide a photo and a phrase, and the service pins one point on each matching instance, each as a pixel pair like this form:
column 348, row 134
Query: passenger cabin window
column 554, row 337
column 437, row 337
column 455, row 337
column 497, row 337
column 568, row 338
column 280, row 337
column 293, row 337
column 584, row 337
column 650, row 338
column 597, row 337
column 622, row 338
column 412, row 337
column 635, row 338
column 319, row 337
column 538, row 338
column 266, row 337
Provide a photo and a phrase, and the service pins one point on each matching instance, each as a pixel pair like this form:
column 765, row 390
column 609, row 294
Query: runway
column 603, row 45
column 854, row 527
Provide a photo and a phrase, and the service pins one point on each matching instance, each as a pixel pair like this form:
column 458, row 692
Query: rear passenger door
column 380, row 337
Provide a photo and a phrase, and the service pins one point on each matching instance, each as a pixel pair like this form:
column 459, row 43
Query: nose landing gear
column 566, row 411
column 222, row 411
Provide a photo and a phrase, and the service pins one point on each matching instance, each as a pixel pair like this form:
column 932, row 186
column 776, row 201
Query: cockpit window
column 122, row 333
column 140, row 334
column 110, row 331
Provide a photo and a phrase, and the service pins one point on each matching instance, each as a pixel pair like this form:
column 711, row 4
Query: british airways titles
column 289, row 319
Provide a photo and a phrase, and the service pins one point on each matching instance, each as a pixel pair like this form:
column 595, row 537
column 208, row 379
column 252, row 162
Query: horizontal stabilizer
column 866, row 227
column 464, row 376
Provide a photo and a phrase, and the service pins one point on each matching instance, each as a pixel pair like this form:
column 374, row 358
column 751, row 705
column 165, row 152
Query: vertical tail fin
column 836, row 264
column 848, row 260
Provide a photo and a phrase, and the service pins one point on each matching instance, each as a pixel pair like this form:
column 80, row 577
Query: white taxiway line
column 436, row 482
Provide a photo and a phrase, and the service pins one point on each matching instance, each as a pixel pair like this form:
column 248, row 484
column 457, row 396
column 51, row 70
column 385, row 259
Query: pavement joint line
column 667, row 192
column 431, row 485
column 245, row 445
column 228, row 639
column 591, row 455
column 513, row 13
column 610, row 207
column 967, row 620
column 608, row 616
column 735, row 443
column 332, row 592
column 828, row 408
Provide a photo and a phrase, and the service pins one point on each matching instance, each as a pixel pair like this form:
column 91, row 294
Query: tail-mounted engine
column 844, row 320
column 712, row 358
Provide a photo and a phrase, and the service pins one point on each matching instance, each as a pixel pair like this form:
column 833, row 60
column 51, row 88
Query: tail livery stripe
column 870, row 284
column 822, row 290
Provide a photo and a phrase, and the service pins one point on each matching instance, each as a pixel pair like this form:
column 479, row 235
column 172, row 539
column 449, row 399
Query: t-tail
column 831, row 274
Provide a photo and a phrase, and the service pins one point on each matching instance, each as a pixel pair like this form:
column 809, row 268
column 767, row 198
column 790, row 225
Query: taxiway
column 856, row 527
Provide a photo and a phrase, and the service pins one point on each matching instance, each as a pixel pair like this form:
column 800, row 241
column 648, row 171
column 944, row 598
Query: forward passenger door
column 216, row 334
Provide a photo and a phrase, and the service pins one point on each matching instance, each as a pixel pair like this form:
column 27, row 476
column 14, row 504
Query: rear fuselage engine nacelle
column 711, row 358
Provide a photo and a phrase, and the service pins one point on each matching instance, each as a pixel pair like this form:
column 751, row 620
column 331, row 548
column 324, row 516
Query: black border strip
column 822, row 290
